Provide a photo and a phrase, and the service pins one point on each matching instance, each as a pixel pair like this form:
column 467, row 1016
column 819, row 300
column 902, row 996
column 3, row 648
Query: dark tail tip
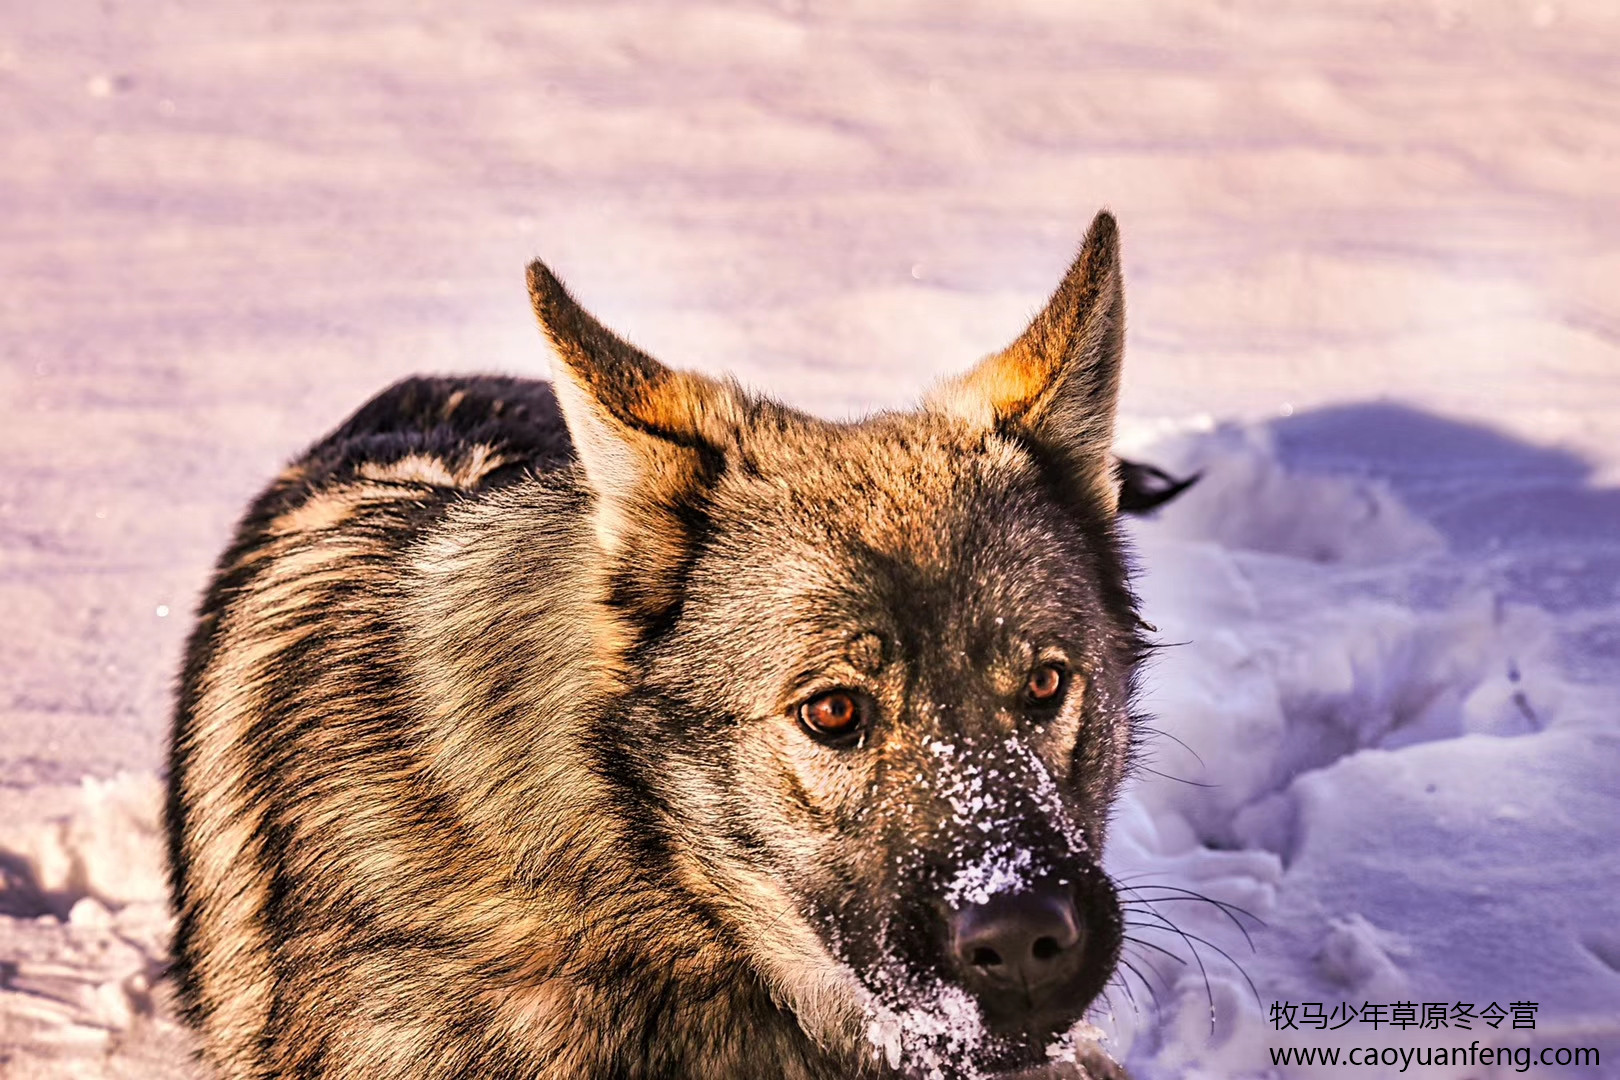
column 1144, row 488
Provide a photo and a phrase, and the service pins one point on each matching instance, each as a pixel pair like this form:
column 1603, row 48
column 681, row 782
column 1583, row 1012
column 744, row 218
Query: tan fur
column 491, row 758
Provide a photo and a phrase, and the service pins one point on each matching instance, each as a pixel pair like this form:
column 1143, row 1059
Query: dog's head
column 880, row 673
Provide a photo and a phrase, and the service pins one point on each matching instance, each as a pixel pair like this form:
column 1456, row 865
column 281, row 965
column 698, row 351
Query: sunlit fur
column 486, row 762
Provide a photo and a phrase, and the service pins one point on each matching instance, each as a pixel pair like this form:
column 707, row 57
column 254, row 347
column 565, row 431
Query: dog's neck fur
column 739, row 1024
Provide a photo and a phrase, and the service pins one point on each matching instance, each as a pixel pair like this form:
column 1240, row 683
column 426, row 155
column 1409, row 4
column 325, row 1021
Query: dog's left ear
column 1058, row 384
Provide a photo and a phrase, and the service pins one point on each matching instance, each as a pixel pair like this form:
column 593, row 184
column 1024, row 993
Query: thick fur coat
column 639, row 727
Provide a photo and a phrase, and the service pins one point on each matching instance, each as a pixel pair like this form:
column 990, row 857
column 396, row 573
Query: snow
column 939, row 1025
column 1405, row 707
column 1369, row 249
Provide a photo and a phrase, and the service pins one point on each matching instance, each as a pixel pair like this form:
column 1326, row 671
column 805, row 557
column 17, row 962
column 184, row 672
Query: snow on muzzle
column 1027, row 922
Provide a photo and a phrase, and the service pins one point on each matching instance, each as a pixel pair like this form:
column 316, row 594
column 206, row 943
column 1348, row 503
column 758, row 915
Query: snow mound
column 1383, row 726
column 84, row 932
column 100, row 841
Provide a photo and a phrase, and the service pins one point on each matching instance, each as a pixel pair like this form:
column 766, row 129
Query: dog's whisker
column 1231, row 911
column 1160, row 733
column 1153, row 995
column 1151, row 945
column 1209, row 991
column 1120, row 981
column 1191, row 938
column 1146, row 982
column 1178, row 779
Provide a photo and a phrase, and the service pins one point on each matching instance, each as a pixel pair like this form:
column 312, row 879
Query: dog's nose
column 1017, row 949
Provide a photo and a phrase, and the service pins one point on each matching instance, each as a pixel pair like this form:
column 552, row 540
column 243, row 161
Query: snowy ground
column 1370, row 249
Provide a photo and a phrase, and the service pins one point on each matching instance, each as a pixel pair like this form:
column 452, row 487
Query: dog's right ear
column 649, row 438
column 1058, row 383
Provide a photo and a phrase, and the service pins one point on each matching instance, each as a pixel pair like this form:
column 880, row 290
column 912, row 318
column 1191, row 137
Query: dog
column 637, row 726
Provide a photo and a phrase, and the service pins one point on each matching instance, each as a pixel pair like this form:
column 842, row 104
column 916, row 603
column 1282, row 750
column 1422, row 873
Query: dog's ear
column 1057, row 385
column 649, row 438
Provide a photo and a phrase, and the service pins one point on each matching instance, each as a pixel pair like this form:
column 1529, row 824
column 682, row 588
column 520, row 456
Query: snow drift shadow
column 22, row 896
column 1477, row 486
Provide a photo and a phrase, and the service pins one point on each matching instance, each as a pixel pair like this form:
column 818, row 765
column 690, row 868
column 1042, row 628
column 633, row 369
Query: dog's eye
column 836, row 717
column 1044, row 687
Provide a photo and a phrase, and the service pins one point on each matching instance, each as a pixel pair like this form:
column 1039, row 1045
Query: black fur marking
column 441, row 417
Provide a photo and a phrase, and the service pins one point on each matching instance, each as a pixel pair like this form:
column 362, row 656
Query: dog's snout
column 1017, row 949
